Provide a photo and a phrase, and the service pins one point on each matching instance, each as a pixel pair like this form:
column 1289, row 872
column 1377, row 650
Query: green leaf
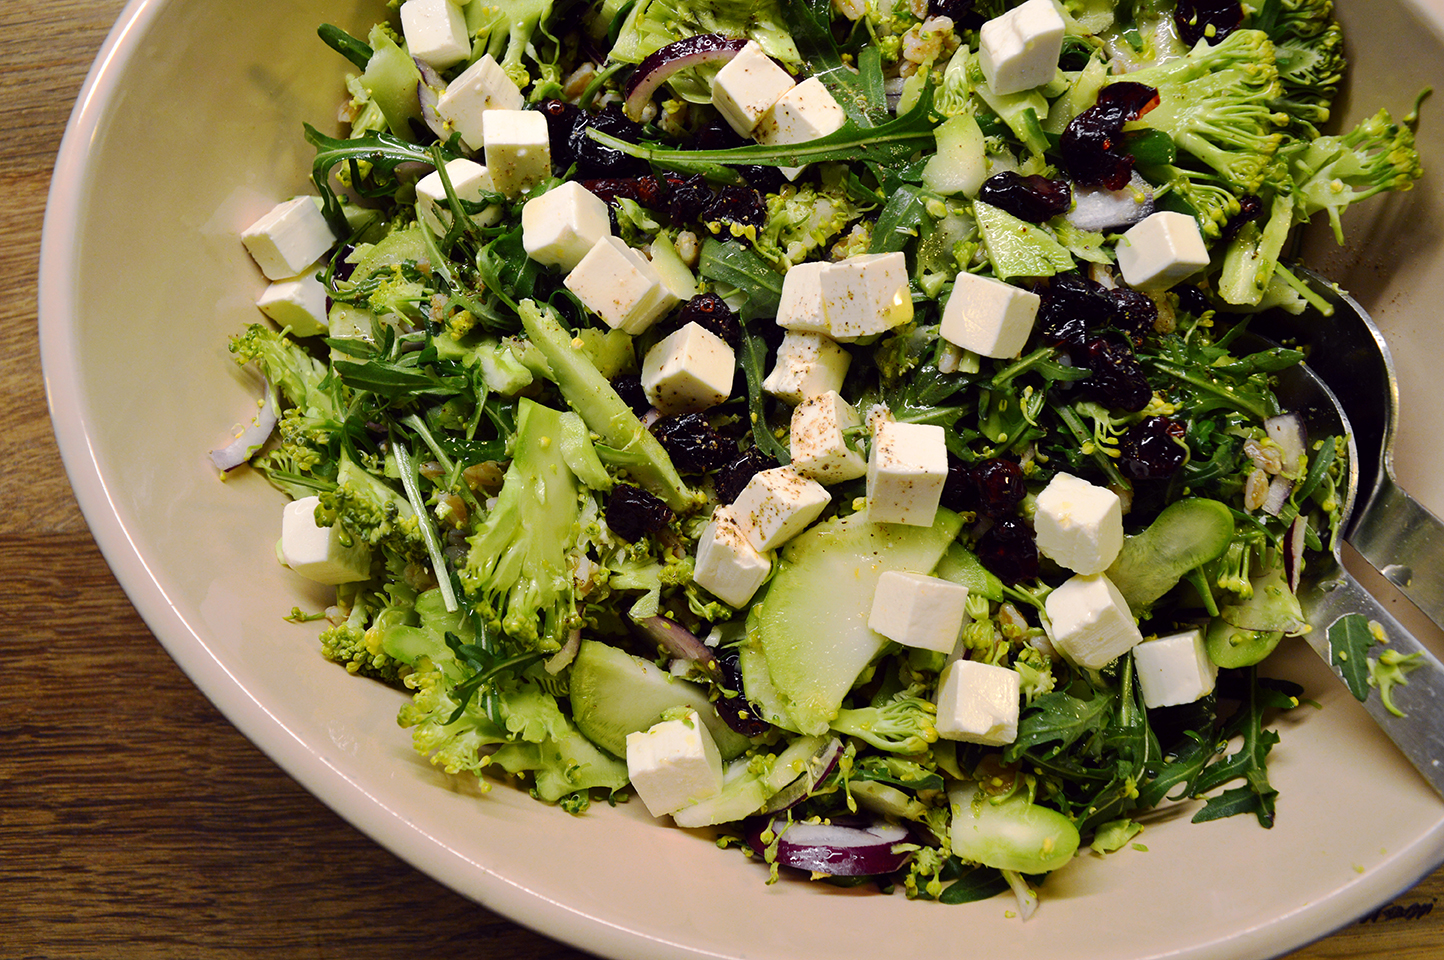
column 393, row 380
column 900, row 221
column 980, row 883
column 1017, row 248
column 739, row 266
column 381, row 152
column 1063, row 718
column 1349, row 641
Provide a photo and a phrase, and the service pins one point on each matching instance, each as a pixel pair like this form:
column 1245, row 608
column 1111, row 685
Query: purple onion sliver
column 1278, row 495
column 1294, row 552
column 835, row 850
column 251, row 437
column 678, row 641
column 818, row 769
column 652, row 72
column 428, row 93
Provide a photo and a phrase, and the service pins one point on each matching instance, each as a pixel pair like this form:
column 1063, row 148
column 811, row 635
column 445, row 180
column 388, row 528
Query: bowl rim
column 347, row 797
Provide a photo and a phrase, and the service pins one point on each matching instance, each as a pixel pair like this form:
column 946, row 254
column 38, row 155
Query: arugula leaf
column 980, row 883
column 1349, row 641
column 741, row 267
column 900, row 221
column 381, row 152
column 859, row 92
column 1062, row 718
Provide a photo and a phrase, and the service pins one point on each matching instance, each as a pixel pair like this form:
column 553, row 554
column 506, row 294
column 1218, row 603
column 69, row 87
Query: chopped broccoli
column 359, row 642
column 508, row 30
column 801, row 220
column 904, row 724
column 1309, row 52
column 369, row 510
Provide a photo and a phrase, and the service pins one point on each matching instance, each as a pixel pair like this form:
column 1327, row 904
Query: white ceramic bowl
column 190, row 127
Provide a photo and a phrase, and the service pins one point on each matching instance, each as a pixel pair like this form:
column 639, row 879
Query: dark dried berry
column 712, row 313
column 1210, row 20
column 632, row 512
column 733, row 476
column 692, row 443
column 1115, row 377
column 1092, row 144
column 596, row 160
column 1009, row 551
column 687, row 197
column 1000, row 486
column 1134, row 312
column 737, row 711
column 960, row 493
column 1072, row 309
column 1153, row 449
column 1192, row 300
column 629, row 388
column 961, row 12
column 1034, row 198
column 742, row 206
column 1250, row 208
column 562, row 121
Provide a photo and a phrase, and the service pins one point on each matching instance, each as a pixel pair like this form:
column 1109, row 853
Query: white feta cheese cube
column 469, row 179
column 906, row 469
column 481, row 87
column 747, row 86
column 818, row 448
column 917, row 610
column 1078, row 525
column 435, row 32
column 1092, row 625
column 1160, row 250
column 1019, row 50
column 288, row 239
column 518, row 149
column 1174, row 669
column 561, row 225
column 319, row 553
column 807, row 364
column 777, row 505
column 728, row 566
column 866, row 295
column 688, row 370
column 298, row 303
column 619, row 285
column 988, row 316
column 978, row 703
column 673, row 764
column 805, row 112
column 800, row 307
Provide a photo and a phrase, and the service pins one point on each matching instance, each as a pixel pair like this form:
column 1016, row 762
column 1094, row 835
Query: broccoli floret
column 358, row 642
column 1309, row 52
column 509, row 30
column 564, row 764
column 652, row 24
column 801, row 220
column 301, row 378
column 1216, row 104
column 905, row 724
column 369, row 510
column 1212, row 203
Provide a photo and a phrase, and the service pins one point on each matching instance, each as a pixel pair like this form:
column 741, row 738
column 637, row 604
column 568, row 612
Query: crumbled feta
column 805, row 112
column 320, row 553
column 817, row 444
column 298, row 303
column 673, row 764
column 978, row 703
column 1019, row 50
column 728, row 566
column 481, row 87
column 1078, row 525
column 469, row 180
column 1174, row 669
column 435, row 31
column 1092, row 625
column 560, row 226
column 619, row 285
column 800, row 307
column 1160, row 250
column 688, row 370
column 917, row 610
column 777, row 505
column 906, row 469
column 747, row 86
column 866, row 294
column 807, row 364
column 988, row 317
column 288, row 239
column 518, row 149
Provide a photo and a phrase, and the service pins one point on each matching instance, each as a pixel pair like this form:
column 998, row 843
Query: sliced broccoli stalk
column 507, row 29
column 1253, row 255
column 564, row 764
column 904, row 724
column 391, row 79
column 605, row 413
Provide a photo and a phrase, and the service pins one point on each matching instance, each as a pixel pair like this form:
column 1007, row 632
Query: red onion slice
column 252, row 436
column 1294, row 553
column 1287, row 430
column 836, row 850
column 1278, row 495
column 818, row 768
column 428, row 91
column 679, row 641
column 652, row 72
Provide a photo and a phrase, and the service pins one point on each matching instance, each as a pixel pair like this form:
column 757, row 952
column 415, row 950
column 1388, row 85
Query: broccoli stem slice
column 605, row 413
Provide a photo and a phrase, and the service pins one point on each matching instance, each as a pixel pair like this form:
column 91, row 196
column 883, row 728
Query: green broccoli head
column 1309, row 52
column 507, row 29
column 303, row 380
column 904, row 724
column 1330, row 173
column 369, row 510
column 358, row 642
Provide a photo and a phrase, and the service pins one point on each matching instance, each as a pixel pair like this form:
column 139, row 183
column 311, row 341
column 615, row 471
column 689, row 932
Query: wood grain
column 134, row 821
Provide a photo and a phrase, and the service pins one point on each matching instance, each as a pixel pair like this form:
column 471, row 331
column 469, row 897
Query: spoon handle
column 1404, row 542
column 1417, row 727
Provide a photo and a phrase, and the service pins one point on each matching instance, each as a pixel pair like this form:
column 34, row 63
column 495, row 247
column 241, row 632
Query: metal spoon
column 1397, row 535
column 1329, row 594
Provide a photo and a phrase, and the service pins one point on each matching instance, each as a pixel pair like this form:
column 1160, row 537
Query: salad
column 829, row 422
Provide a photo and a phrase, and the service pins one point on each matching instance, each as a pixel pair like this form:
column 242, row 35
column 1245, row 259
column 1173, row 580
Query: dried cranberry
column 960, row 493
column 736, row 205
column 692, row 443
column 1153, row 449
column 1115, row 377
column 1134, row 312
column 629, row 388
column 733, row 476
column 1072, row 307
column 1034, row 198
column 1192, row 300
column 687, row 197
column 961, row 12
column 1009, row 552
column 1000, row 486
column 596, row 160
column 563, row 119
column 1092, row 144
column 1195, row 17
column 1250, row 208
column 632, row 512
column 712, row 313
column 737, row 711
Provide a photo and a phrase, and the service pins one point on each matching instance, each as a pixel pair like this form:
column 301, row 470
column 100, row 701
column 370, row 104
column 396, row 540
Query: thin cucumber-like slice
column 1187, row 534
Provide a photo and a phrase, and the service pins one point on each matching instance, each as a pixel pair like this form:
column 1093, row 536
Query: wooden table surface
column 135, row 822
